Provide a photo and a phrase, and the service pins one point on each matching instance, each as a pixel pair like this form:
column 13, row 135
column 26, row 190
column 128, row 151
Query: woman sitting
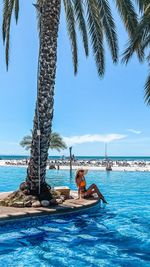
column 81, row 184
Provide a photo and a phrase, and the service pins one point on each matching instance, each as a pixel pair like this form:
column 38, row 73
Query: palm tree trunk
column 49, row 17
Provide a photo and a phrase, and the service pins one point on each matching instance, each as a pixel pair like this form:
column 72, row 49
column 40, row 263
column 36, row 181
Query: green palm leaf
column 128, row 15
column 96, row 34
column 5, row 18
column 143, row 4
column 109, row 28
column 26, row 142
column 140, row 41
column 79, row 12
column 72, row 31
column 99, row 22
column 146, row 42
column 140, row 38
column 147, row 90
column 16, row 10
column 56, row 142
column 8, row 6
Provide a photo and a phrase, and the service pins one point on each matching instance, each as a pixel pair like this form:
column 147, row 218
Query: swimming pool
column 117, row 235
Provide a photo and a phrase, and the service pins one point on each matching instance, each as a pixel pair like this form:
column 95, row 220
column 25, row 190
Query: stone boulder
column 63, row 197
column 55, row 194
column 18, row 204
column 45, row 203
column 59, row 201
column 36, row 204
column 53, row 201
column 63, row 190
column 28, row 204
column 31, row 198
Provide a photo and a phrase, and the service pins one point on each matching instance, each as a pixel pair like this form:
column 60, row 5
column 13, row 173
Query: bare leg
column 94, row 189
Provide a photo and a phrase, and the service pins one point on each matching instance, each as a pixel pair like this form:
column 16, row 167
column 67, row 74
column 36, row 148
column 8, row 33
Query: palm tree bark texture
column 49, row 17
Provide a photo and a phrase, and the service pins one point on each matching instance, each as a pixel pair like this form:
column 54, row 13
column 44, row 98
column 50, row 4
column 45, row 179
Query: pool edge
column 71, row 207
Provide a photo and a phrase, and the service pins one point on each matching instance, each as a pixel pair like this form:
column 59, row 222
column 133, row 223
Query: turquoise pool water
column 112, row 236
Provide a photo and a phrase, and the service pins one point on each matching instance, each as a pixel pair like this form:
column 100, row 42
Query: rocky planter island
column 16, row 205
column 48, row 197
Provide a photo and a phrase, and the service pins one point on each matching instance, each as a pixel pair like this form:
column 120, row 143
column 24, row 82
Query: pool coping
column 69, row 206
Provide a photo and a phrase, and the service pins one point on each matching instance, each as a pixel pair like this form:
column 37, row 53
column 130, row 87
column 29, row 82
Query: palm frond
column 96, row 34
column 26, row 142
column 140, row 4
column 138, row 41
column 10, row 10
column 128, row 15
column 16, row 10
column 146, row 42
column 56, row 142
column 72, row 32
column 147, row 90
column 5, row 17
column 148, row 57
column 143, row 4
column 79, row 12
column 144, row 25
column 132, row 47
column 109, row 28
column 8, row 6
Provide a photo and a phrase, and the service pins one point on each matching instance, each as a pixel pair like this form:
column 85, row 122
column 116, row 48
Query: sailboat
column 108, row 165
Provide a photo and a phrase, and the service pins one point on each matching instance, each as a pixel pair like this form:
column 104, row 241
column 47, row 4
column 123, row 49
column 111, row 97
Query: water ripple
column 115, row 236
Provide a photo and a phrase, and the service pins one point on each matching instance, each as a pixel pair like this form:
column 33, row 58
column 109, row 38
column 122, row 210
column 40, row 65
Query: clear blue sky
column 88, row 110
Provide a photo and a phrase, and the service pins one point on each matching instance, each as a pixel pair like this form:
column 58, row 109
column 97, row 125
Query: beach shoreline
column 132, row 166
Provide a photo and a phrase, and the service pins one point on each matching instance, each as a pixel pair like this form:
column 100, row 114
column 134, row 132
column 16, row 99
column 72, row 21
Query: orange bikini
column 82, row 185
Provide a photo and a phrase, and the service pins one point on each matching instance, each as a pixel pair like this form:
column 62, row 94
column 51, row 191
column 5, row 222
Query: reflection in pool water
column 117, row 235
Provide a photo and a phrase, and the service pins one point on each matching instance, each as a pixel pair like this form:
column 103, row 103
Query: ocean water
column 117, row 235
column 126, row 158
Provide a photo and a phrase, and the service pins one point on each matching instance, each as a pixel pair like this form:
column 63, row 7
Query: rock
column 59, row 200
column 45, row 203
column 30, row 198
column 18, row 204
column 7, row 204
column 28, row 204
column 53, row 201
column 36, row 204
column 64, row 190
column 63, row 197
column 2, row 202
column 13, row 195
column 20, row 200
column 55, row 194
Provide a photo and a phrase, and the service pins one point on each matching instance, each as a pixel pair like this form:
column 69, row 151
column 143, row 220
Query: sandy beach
column 141, row 169
column 141, row 166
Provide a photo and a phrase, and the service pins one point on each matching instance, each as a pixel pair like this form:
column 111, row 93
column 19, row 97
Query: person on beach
column 81, row 184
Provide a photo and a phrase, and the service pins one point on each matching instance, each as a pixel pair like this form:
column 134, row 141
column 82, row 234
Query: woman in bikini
column 81, row 184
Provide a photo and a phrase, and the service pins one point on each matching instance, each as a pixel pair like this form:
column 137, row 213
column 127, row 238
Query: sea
column 115, row 158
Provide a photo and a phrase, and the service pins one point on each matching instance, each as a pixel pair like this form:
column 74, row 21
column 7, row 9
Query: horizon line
column 25, row 155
